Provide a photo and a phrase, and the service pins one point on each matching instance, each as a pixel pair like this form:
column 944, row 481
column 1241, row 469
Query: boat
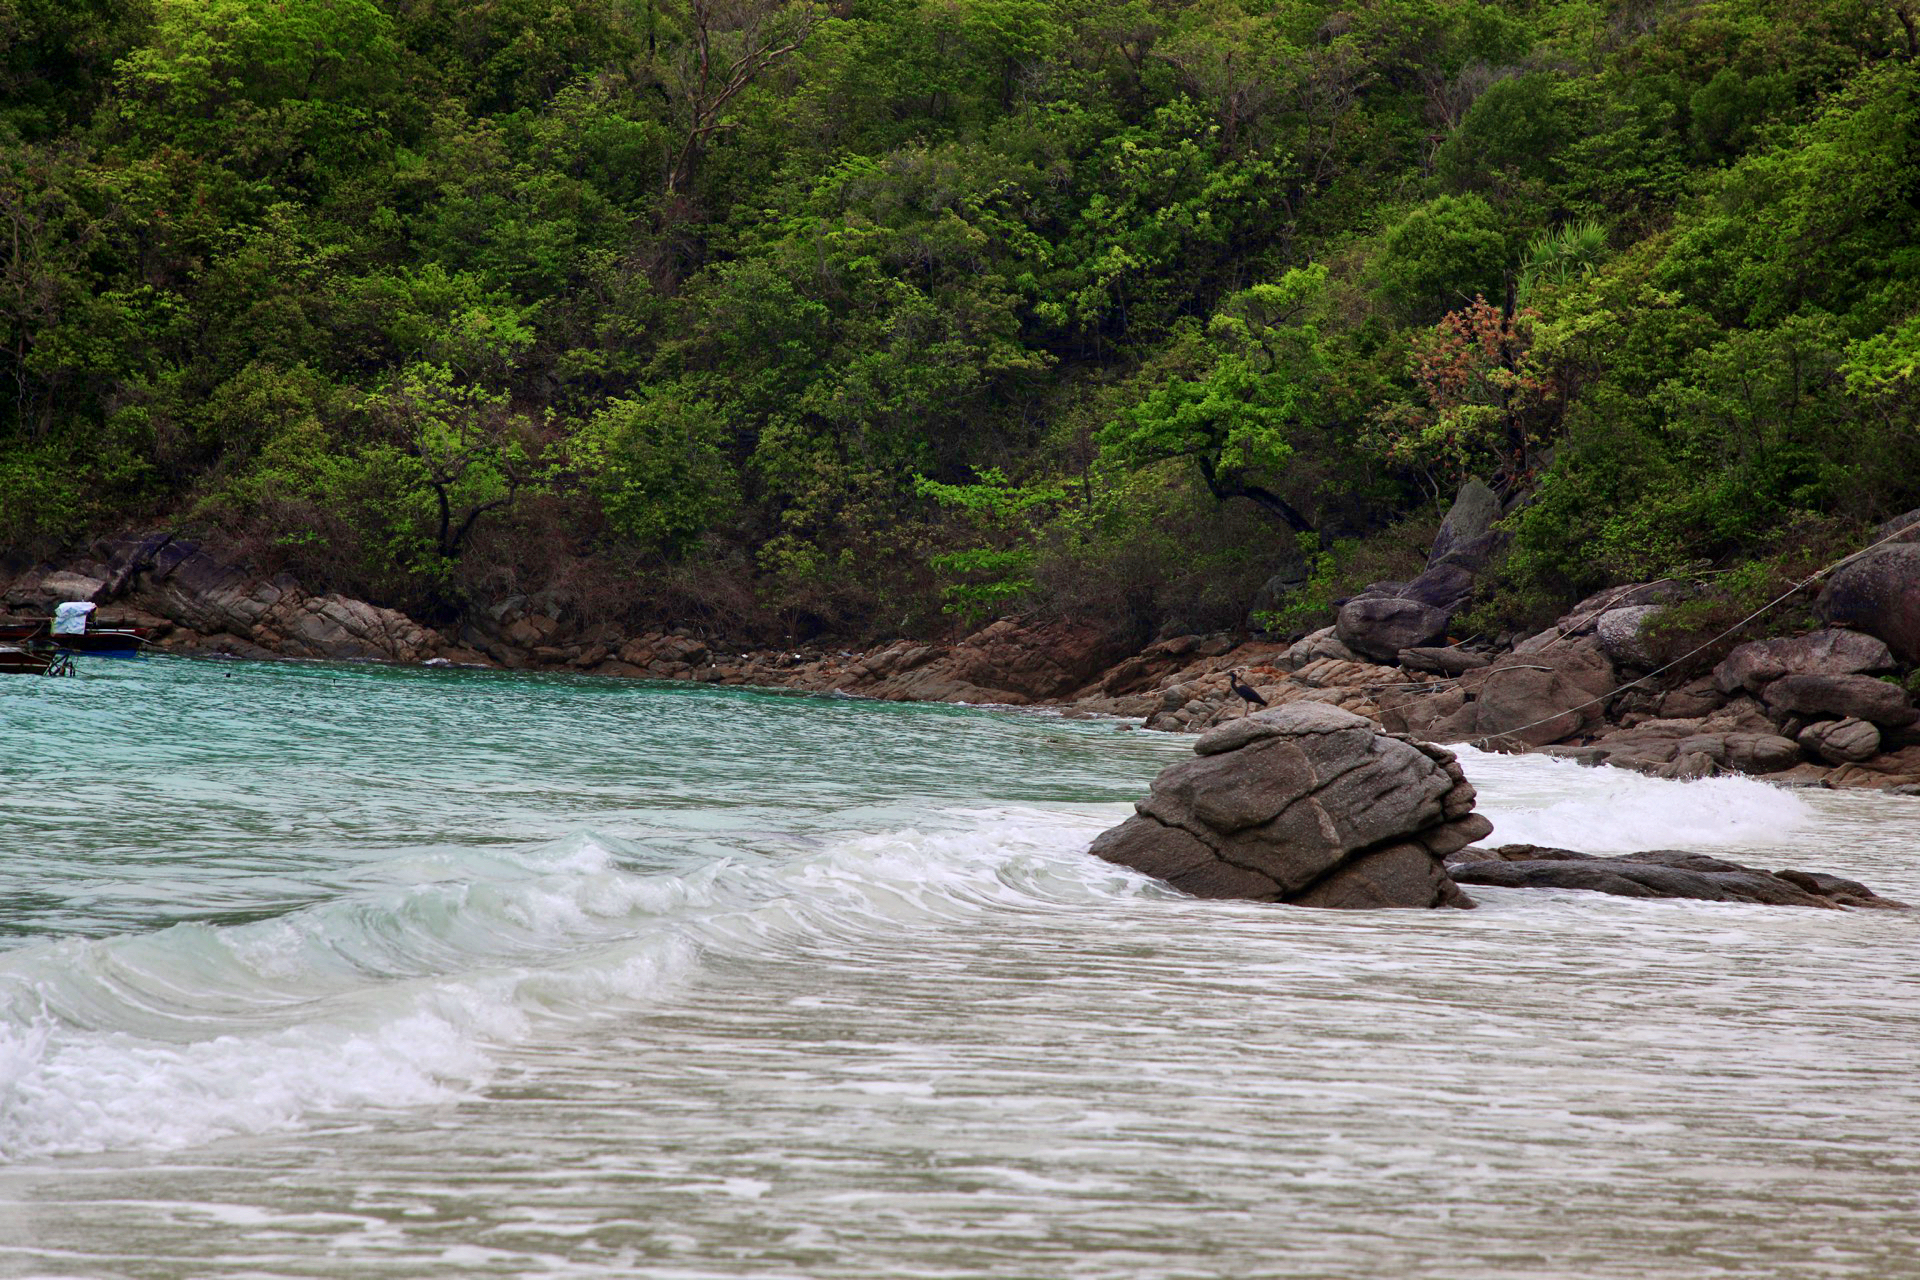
column 110, row 640
column 15, row 661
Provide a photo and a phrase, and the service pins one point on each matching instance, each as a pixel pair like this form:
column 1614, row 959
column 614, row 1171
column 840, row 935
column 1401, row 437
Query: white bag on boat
column 70, row 619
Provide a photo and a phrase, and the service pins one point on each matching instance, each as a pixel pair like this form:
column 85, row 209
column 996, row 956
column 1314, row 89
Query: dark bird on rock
column 1235, row 683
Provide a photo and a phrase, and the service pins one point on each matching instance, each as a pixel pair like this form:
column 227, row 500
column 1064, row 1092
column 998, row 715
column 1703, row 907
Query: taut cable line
column 1774, row 603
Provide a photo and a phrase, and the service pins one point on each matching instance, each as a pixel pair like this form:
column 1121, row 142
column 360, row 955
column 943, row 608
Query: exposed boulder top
column 1862, row 697
column 1469, row 522
column 1831, row 652
column 1307, row 804
column 1659, row 873
column 1381, row 626
column 1622, row 635
column 1301, row 719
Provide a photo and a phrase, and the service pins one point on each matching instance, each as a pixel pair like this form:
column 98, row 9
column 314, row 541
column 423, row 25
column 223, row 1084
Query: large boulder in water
column 1306, row 804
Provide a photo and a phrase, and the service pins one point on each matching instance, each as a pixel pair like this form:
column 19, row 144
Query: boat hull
column 106, row 642
column 21, row 662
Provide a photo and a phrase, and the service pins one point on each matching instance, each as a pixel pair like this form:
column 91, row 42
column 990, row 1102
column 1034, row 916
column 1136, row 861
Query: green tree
column 1236, row 419
column 656, row 467
column 1443, row 253
column 287, row 90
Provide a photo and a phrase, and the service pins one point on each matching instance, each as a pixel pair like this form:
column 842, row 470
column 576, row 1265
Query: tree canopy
column 430, row 299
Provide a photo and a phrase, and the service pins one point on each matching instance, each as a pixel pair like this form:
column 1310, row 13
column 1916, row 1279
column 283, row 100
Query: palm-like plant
column 1561, row 255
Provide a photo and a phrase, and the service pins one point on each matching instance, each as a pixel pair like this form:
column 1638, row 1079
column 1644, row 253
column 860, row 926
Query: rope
column 1778, row 600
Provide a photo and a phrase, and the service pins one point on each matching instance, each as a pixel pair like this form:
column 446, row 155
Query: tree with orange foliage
column 1480, row 404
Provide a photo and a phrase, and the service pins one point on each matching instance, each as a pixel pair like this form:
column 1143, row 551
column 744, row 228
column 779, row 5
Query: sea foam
column 409, row 995
column 1540, row 800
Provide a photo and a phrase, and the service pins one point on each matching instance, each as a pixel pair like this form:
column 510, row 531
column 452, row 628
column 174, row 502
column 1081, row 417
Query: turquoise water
column 319, row 970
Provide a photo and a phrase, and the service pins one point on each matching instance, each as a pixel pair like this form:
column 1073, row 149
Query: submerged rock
column 1306, row 804
column 1659, row 873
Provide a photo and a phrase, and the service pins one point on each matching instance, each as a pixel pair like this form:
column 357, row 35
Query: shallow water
column 314, row 970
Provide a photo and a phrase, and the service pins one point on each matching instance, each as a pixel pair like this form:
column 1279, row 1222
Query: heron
column 1245, row 690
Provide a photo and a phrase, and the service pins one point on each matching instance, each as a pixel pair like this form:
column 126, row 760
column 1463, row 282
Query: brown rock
column 1848, row 741
column 1380, row 627
column 1442, row 661
column 1849, row 695
column 1324, row 643
column 1695, row 698
column 1537, row 698
column 1879, row 593
column 1297, row 793
column 1033, row 661
column 1753, row 666
column 1889, row 769
column 1419, row 712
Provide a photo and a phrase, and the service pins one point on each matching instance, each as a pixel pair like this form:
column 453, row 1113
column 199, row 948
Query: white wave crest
column 407, row 996
column 1541, row 800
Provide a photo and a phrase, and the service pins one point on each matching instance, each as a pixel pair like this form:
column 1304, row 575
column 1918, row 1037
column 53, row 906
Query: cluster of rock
column 1805, row 710
column 1306, row 804
column 1824, row 708
column 201, row 602
column 1314, row 806
column 1808, row 707
column 1387, row 617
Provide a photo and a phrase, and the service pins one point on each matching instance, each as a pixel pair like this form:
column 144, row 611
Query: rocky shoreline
column 1313, row 806
column 1820, row 709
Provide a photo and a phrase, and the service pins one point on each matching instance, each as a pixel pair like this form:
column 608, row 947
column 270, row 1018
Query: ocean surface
column 322, row 970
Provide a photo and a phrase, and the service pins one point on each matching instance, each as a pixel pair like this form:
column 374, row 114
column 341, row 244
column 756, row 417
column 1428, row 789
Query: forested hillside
column 879, row 315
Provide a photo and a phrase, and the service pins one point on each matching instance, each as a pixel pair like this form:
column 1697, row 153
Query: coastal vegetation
column 890, row 315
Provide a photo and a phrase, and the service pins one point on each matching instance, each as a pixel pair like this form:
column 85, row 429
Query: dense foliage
column 837, row 317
